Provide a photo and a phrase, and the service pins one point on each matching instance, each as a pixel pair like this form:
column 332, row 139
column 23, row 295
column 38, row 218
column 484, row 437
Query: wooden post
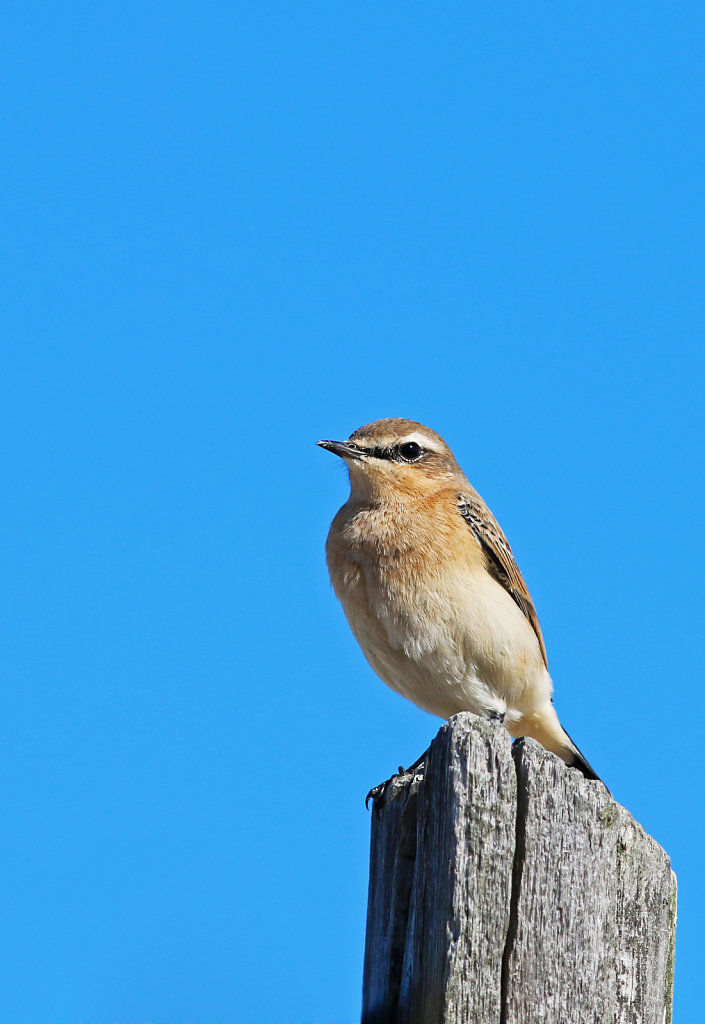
column 507, row 889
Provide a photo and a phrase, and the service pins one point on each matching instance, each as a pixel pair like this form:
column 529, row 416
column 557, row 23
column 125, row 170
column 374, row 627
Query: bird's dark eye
column 410, row 451
column 351, row 444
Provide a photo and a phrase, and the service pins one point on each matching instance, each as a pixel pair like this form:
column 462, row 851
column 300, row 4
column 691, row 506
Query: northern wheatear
column 431, row 589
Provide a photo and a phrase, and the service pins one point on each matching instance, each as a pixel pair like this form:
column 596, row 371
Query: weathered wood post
column 507, row 889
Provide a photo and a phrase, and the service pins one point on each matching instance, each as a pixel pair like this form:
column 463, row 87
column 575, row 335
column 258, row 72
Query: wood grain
column 507, row 889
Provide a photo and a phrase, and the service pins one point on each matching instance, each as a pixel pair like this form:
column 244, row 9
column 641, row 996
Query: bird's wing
column 499, row 558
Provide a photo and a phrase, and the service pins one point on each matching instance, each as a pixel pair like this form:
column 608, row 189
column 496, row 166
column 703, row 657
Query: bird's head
column 396, row 458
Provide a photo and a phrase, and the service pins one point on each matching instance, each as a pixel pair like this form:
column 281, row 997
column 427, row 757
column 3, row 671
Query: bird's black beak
column 345, row 449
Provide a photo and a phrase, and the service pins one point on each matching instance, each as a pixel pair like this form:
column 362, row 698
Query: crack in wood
column 517, row 871
column 505, row 888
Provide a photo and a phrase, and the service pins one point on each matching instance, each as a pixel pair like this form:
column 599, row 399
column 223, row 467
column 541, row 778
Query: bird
column 432, row 591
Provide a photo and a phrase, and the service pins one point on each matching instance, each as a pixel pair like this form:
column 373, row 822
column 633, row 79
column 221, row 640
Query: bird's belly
column 458, row 643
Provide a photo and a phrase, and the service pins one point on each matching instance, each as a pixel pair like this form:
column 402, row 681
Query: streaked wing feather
column 500, row 560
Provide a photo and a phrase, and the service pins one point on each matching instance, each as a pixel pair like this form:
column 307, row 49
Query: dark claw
column 378, row 793
column 496, row 716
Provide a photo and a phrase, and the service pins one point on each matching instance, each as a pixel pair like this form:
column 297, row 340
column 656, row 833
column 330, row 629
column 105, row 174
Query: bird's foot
column 378, row 793
column 496, row 716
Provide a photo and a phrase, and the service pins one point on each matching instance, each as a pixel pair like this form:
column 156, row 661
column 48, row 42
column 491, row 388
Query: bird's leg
column 377, row 793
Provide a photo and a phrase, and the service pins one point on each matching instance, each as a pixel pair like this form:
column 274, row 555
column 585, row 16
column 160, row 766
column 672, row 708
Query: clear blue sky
column 228, row 230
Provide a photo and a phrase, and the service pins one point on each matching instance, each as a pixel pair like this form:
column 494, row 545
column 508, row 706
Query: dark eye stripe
column 381, row 453
column 396, row 453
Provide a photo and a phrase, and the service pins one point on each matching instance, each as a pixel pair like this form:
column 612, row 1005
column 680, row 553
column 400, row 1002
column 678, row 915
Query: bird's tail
column 582, row 763
column 544, row 726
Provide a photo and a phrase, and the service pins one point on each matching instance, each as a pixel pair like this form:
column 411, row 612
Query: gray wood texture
column 507, row 889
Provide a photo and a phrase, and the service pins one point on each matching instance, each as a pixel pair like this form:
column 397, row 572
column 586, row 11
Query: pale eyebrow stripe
column 389, row 451
column 420, row 439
